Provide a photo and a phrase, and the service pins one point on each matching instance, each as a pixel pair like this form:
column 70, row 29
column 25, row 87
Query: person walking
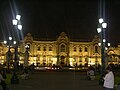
column 109, row 79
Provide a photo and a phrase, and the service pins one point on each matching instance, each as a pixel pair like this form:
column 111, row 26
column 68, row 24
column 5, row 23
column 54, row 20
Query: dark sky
column 48, row 18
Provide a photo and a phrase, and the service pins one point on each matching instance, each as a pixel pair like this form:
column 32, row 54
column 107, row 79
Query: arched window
column 86, row 49
column 86, row 59
column 80, row 49
column 74, row 49
column 38, row 48
column 96, row 49
column 44, row 48
column 62, row 48
column 50, row 48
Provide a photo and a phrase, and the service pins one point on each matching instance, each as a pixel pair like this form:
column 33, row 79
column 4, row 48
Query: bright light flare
column 14, row 21
column 106, row 48
column 26, row 46
column 99, row 30
column 10, row 38
column 14, row 42
column 101, row 20
column 99, row 44
column 20, row 27
column 108, row 44
column 104, row 40
column 5, row 42
column 18, row 17
column 104, row 25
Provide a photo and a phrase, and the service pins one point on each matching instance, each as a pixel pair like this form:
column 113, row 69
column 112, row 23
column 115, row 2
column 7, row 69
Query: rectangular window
column 50, row 48
column 86, row 49
column 38, row 48
column 44, row 48
column 74, row 49
column 96, row 49
column 80, row 59
column 62, row 48
column 80, row 49
column 86, row 59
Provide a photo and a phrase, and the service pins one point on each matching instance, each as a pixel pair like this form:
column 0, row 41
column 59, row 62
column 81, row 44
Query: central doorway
column 62, row 59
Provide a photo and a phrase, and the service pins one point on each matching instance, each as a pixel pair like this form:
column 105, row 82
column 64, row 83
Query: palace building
column 62, row 51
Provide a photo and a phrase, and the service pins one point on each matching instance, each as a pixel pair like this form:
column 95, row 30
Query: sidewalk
column 57, row 81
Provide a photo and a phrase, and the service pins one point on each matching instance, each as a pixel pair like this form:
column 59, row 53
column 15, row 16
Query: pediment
column 63, row 37
column 28, row 38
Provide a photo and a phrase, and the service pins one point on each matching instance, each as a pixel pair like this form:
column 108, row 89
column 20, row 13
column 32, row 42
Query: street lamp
column 8, row 54
column 26, row 57
column 101, row 30
column 16, row 22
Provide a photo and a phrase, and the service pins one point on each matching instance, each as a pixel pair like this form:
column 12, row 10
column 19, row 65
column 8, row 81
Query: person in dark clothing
column 4, row 73
column 25, row 74
column 2, row 81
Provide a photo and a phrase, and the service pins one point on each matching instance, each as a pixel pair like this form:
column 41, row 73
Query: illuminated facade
column 62, row 51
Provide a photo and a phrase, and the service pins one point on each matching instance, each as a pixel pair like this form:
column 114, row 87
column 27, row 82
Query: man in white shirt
column 109, row 79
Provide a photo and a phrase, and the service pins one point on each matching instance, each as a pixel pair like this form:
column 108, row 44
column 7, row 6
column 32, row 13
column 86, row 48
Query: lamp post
column 16, row 23
column 17, row 26
column 27, row 47
column 101, row 30
column 9, row 42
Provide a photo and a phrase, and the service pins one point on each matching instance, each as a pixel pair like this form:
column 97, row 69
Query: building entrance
column 62, row 59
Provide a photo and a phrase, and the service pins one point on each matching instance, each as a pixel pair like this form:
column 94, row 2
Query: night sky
column 46, row 19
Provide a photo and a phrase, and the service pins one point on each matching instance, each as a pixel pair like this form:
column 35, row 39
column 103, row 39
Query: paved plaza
column 57, row 81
